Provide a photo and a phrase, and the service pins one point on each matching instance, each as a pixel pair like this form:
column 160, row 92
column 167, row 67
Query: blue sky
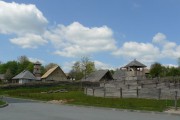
column 110, row 32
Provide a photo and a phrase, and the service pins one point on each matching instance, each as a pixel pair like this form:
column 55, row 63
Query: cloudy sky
column 110, row 32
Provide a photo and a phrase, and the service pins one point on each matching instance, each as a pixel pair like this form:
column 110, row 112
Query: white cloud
column 170, row 65
column 67, row 66
column 78, row 40
column 29, row 41
column 36, row 59
column 159, row 48
column 21, row 18
column 159, row 38
column 100, row 65
column 29, row 25
column 168, row 49
column 146, row 52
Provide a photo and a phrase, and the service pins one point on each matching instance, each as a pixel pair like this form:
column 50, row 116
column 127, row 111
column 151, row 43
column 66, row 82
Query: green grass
column 77, row 97
column 2, row 102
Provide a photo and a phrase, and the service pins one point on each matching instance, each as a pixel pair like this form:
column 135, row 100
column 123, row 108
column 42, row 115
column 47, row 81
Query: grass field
column 2, row 102
column 77, row 97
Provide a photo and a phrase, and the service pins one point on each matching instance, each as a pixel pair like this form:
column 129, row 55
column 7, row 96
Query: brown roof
column 50, row 71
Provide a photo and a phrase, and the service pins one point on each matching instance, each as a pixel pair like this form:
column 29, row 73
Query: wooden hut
column 99, row 76
column 24, row 77
column 54, row 74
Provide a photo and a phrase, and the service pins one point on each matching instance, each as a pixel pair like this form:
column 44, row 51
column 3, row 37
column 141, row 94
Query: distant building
column 119, row 74
column 133, row 70
column 24, row 77
column 99, row 76
column 54, row 74
column 136, row 68
column 37, row 70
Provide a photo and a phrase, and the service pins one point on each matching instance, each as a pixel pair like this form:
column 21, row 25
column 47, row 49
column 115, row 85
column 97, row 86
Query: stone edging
column 6, row 104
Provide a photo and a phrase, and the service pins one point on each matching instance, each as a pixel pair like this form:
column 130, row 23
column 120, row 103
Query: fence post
column 156, row 84
column 169, row 85
column 124, row 81
column 120, row 92
column 175, row 101
column 93, row 91
column 137, row 92
column 104, row 92
column 128, row 86
column 159, row 93
column 142, row 85
column 86, row 90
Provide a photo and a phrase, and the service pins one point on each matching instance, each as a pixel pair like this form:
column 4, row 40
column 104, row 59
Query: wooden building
column 135, row 68
column 54, row 74
column 99, row 76
column 24, row 77
column 132, row 71
column 37, row 70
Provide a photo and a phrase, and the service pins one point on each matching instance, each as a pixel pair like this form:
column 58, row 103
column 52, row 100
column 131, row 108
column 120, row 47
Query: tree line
column 158, row 70
column 79, row 70
column 12, row 68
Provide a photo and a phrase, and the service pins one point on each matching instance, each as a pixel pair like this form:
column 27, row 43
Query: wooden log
column 104, row 92
column 120, row 92
column 137, row 92
column 93, row 91
column 159, row 93
column 175, row 100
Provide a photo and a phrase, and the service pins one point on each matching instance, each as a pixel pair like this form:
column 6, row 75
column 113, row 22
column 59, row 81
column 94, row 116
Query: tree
column 173, row 71
column 82, row 68
column 8, row 75
column 30, row 67
column 179, row 62
column 12, row 66
column 23, row 59
column 24, row 64
column 156, row 69
column 49, row 66
column 112, row 72
column 87, row 66
column 76, row 71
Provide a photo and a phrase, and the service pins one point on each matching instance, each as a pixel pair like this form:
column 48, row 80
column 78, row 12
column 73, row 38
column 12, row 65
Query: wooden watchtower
column 135, row 69
column 37, row 70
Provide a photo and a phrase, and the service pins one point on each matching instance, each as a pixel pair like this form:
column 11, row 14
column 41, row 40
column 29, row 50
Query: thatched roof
column 98, row 75
column 119, row 74
column 50, row 71
column 25, row 75
column 135, row 63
